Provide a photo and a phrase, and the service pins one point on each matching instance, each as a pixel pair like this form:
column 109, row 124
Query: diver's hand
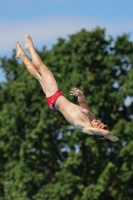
column 76, row 92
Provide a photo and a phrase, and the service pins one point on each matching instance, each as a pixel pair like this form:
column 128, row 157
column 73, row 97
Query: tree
column 42, row 156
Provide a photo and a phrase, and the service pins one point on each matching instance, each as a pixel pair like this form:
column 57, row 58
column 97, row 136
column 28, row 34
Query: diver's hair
column 106, row 127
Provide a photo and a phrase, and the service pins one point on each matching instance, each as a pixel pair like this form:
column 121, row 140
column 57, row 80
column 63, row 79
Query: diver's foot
column 20, row 51
column 28, row 42
column 111, row 137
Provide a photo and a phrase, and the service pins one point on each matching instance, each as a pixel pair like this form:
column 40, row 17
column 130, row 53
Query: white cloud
column 45, row 30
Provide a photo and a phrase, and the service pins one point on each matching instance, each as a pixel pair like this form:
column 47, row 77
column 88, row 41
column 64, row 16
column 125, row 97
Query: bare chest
column 74, row 114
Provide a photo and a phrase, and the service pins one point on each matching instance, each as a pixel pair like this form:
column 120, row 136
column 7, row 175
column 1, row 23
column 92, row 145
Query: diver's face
column 98, row 124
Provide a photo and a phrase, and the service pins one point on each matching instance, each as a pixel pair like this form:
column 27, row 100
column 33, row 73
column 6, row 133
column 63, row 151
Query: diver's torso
column 74, row 114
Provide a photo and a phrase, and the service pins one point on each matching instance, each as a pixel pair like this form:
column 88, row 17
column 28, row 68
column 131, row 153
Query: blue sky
column 47, row 20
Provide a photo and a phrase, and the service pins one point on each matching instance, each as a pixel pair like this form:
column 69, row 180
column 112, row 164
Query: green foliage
column 42, row 156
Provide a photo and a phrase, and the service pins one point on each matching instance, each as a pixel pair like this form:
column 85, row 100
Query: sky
column 47, row 20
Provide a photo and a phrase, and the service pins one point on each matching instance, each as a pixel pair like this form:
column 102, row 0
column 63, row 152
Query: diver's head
column 98, row 124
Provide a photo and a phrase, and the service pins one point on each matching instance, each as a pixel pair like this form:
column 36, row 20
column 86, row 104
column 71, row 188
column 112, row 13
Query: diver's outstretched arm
column 100, row 132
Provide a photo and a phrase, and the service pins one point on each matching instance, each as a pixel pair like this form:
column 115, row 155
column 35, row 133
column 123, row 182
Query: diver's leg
column 29, row 65
column 48, row 79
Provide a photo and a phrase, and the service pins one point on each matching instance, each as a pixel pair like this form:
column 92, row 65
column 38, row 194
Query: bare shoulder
column 85, row 110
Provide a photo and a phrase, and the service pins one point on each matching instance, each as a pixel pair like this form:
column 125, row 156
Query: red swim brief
column 52, row 99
